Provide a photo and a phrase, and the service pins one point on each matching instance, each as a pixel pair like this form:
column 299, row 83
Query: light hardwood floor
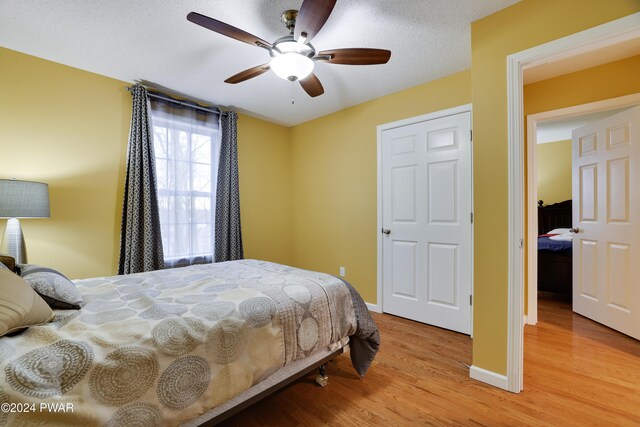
column 577, row 372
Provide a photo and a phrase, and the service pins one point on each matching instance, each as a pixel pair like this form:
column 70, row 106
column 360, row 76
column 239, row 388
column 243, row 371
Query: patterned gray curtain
column 228, row 233
column 140, row 239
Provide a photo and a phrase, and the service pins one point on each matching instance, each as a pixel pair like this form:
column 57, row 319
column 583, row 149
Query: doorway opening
column 595, row 39
column 547, row 127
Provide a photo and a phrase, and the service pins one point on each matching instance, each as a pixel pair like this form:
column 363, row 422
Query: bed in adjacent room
column 555, row 248
column 188, row 345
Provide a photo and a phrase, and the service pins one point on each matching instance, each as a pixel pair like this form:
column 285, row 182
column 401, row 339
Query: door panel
column 588, row 260
column 588, row 144
column 618, row 190
column 443, row 192
column 403, row 145
column 618, row 285
column 589, row 193
column 426, row 196
column 442, row 139
column 404, row 255
column 606, row 192
column 618, row 136
column 443, row 262
column 404, row 193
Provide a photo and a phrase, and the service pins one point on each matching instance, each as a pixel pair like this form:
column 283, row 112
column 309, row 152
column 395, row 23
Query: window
column 187, row 151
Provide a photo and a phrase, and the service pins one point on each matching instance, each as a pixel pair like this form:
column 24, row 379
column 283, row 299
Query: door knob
column 386, row 231
column 574, row 230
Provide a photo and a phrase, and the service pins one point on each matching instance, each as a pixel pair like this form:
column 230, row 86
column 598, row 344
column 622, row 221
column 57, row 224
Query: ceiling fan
column 293, row 56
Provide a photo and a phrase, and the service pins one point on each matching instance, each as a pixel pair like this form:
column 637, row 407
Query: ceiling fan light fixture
column 291, row 66
column 293, row 56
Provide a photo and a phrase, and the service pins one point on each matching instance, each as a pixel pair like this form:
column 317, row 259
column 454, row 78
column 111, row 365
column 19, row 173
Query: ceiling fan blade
column 312, row 16
column 227, row 30
column 248, row 74
column 312, row 85
column 355, row 56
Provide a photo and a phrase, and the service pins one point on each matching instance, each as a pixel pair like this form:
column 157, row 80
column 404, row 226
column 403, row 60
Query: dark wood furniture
column 8, row 261
column 555, row 270
column 553, row 216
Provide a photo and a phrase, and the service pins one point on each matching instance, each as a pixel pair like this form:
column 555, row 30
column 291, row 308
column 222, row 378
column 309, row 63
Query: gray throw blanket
column 366, row 341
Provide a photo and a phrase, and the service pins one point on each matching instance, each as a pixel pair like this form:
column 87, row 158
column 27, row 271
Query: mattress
column 166, row 347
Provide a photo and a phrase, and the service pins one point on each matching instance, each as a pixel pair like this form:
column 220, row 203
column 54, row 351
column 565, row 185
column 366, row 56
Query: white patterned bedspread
column 163, row 347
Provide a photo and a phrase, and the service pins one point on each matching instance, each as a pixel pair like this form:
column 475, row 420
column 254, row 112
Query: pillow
column 4, row 267
column 559, row 231
column 53, row 286
column 563, row 237
column 20, row 306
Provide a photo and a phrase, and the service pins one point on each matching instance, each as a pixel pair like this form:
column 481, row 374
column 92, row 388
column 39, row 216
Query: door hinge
column 471, row 216
column 470, row 299
column 470, row 136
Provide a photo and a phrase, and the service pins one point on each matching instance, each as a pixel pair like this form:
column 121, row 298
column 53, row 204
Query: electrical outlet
column 342, row 272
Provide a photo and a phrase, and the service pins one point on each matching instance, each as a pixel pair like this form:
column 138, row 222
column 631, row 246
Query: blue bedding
column 556, row 246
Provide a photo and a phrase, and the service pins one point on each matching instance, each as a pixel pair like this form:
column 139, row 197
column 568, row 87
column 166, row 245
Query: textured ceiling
column 152, row 41
column 560, row 129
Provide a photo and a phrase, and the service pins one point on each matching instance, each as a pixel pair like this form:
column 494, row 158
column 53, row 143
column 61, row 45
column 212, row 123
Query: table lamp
column 20, row 199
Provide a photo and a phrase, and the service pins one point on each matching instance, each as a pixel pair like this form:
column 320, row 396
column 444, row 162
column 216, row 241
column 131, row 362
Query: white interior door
column 606, row 211
column 426, row 219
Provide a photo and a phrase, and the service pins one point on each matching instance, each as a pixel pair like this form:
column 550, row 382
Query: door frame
column 531, row 317
column 607, row 34
column 467, row 108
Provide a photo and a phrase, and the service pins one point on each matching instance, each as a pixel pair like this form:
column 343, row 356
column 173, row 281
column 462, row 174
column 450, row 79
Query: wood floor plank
column 577, row 373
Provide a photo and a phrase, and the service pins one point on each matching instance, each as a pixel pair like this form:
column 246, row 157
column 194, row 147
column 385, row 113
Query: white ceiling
column 152, row 41
column 560, row 129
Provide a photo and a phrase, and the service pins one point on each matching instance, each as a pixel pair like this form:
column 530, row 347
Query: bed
column 185, row 346
column 555, row 272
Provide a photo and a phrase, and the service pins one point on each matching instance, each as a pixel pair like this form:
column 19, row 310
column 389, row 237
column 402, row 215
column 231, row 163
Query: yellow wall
column 605, row 81
column 554, row 171
column 334, row 175
column 519, row 27
column 69, row 128
column 265, row 191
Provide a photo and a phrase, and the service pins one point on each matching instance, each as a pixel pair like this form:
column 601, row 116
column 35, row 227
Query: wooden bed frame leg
column 322, row 379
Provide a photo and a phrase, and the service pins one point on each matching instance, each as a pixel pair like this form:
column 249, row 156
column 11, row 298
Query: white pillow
column 559, row 231
column 20, row 306
column 566, row 237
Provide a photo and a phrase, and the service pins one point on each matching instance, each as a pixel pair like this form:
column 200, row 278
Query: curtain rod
column 175, row 101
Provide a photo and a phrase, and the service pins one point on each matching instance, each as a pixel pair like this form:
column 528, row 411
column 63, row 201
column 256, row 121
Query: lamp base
column 13, row 242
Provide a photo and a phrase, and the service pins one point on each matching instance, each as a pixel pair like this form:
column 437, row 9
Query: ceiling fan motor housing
column 288, row 18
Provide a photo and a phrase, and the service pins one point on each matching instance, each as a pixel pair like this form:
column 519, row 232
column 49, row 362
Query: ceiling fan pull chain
column 293, row 101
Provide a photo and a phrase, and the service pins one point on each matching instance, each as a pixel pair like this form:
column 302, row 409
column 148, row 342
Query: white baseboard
column 373, row 307
column 529, row 320
column 488, row 377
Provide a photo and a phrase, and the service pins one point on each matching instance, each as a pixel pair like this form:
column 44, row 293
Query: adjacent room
column 320, row 212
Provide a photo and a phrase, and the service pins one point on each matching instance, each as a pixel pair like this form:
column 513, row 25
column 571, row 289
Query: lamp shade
column 23, row 199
